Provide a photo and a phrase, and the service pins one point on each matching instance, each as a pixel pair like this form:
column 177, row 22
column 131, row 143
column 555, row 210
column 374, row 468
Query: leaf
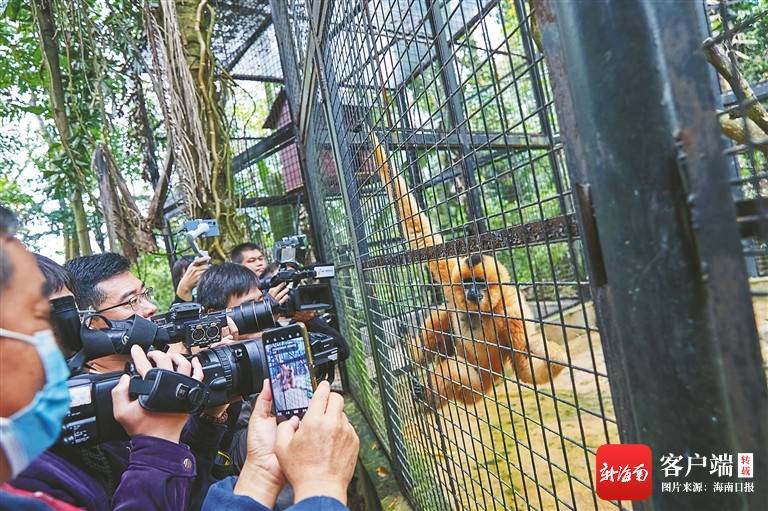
column 33, row 109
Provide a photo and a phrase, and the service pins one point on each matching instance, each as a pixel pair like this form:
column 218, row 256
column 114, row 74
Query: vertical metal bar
column 635, row 104
column 413, row 168
column 285, row 45
column 733, row 161
column 343, row 153
column 456, row 117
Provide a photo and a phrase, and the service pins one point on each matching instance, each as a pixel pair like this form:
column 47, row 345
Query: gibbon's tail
column 416, row 226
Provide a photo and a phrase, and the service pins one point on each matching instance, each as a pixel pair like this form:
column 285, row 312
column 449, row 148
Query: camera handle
column 168, row 391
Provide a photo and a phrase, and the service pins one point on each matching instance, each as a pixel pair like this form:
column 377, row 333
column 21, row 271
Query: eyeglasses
column 135, row 301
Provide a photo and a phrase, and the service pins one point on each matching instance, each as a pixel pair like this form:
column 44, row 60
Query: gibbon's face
column 477, row 283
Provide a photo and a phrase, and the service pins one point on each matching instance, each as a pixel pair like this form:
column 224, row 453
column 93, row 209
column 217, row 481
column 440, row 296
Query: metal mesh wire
column 448, row 103
column 738, row 50
column 347, row 289
column 452, row 98
column 267, row 171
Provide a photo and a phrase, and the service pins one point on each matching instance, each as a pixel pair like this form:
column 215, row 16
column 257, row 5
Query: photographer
column 251, row 256
column 31, row 415
column 186, row 274
column 31, row 365
column 58, row 281
column 104, row 283
column 229, row 285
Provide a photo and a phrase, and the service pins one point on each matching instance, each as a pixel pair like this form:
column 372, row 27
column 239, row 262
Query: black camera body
column 185, row 322
column 289, row 254
column 189, row 324
column 229, row 372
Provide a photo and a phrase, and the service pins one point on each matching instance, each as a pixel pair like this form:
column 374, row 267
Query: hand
column 191, row 277
column 305, row 316
column 261, row 477
column 318, row 454
column 229, row 334
column 280, row 293
column 135, row 419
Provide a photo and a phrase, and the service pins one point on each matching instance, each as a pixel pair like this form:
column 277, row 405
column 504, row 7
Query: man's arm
column 222, row 496
column 160, row 470
column 203, row 436
column 159, row 476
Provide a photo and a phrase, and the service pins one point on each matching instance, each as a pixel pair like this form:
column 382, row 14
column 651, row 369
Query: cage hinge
column 752, row 216
column 588, row 229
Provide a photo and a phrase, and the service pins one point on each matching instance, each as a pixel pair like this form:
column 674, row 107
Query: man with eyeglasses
column 103, row 283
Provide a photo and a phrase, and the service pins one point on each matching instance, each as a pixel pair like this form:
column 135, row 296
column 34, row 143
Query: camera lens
column 253, row 316
column 233, row 370
column 66, row 323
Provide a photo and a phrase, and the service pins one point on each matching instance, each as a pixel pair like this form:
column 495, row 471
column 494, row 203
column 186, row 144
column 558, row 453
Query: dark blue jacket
column 222, row 496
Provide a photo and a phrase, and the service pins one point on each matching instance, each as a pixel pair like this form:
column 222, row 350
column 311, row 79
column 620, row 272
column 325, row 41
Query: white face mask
column 34, row 428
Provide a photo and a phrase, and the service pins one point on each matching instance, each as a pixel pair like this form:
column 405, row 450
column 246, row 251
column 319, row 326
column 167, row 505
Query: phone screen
column 290, row 374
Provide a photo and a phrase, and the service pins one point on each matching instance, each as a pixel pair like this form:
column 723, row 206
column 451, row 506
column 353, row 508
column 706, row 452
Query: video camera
column 228, row 372
column 185, row 322
column 289, row 253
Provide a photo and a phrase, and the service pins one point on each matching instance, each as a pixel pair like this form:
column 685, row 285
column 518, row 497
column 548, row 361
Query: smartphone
column 289, row 362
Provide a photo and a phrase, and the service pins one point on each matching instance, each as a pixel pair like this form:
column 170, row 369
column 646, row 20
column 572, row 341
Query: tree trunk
column 43, row 13
column 67, row 245
column 81, row 222
column 106, row 197
column 196, row 21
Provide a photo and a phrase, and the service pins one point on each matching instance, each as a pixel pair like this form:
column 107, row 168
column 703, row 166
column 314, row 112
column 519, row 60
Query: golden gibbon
column 480, row 327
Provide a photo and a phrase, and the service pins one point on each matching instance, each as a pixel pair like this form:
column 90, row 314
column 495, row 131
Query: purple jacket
column 154, row 474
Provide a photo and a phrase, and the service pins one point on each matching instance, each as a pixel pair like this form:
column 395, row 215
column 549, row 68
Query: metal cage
column 474, row 265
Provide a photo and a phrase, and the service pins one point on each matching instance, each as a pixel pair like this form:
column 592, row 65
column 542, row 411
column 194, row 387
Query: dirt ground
column 508, row 452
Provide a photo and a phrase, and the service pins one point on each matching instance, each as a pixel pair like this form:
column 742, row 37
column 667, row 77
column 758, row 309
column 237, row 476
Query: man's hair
column 88, row 271
column 56, row 276
column 179, row 268
column 236, row 254
column 8, row 224
column 222, row 282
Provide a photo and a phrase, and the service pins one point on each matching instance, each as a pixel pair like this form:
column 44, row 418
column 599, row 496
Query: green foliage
column 751, row 42
column 98, row 42
column 153, row 270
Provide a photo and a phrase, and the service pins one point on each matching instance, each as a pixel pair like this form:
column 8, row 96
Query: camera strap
column 168, row 391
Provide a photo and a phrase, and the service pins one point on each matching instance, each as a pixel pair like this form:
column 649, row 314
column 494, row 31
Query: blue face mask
column 34, row 428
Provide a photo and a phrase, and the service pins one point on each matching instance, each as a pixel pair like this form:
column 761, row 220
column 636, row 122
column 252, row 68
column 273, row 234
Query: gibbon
column 480, row 327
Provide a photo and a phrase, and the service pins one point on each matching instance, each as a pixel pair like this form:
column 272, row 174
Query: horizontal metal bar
column 760, row 90
column 752, row 215
column 281, row 137
column 287, row 199
column 421, row 139
column 559, row 228
column 256, row 78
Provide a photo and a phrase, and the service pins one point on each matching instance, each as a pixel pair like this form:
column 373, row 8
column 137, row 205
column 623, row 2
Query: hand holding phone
column 289, row 362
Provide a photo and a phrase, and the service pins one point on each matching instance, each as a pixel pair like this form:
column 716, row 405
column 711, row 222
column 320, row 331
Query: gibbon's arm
column 434, row 338
column 531, row 360
column 418, row 230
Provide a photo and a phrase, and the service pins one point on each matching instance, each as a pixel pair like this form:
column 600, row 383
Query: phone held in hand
column 289, row 361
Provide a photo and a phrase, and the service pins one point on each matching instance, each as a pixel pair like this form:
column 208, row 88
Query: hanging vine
column 179, row 35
